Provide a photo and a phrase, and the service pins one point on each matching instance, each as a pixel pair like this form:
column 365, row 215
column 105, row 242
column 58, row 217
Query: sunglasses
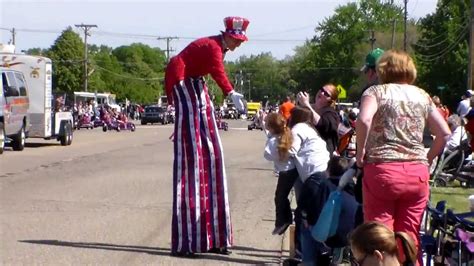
column 324, row 92
column 355, row 262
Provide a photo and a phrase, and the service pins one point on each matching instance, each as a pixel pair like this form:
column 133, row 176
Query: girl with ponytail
column 276, row 150
column 373, row 243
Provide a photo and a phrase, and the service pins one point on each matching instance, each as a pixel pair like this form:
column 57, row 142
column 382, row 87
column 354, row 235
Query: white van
column 45, row 122
column 14, row 104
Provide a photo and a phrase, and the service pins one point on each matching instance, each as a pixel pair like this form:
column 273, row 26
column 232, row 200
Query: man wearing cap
column 465, row 104
column 369, row 67
column 201, row 217
column 372, row 79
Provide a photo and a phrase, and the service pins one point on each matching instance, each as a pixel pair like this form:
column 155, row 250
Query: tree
column 142, row 72
column 442, row 50
column 264, row 77
column 337, row 51
column 37, row 51
column 67, row 54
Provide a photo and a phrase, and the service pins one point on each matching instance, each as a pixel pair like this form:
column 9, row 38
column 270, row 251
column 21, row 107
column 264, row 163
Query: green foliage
column 67, row 54
column 134, row 72
column 442, row 50
column 457, row 198
column 263, row 77
column 37, row 51
column 337, row 51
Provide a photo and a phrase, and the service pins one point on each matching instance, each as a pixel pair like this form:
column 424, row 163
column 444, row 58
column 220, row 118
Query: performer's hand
column 237, row 100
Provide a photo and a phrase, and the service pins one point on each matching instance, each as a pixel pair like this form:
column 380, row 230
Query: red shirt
column 202, row 57
column 444, row 112
column 470, row 129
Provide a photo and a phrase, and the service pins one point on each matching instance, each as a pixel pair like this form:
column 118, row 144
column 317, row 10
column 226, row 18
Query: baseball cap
column 371, row 59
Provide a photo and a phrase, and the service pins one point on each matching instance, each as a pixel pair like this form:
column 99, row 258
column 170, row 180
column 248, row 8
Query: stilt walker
column 201, row 216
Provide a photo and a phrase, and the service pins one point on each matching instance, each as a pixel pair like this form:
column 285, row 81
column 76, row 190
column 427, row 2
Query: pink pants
column 396, row 194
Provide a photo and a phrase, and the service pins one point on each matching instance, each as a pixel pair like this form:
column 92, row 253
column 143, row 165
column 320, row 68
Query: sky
column 275, row 26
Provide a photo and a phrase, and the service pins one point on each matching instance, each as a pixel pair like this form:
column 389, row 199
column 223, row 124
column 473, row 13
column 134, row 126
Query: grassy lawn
column 456, row 197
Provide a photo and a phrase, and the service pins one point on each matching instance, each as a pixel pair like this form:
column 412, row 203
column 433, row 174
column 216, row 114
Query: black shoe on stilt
column 220, row 251
column 183, row 254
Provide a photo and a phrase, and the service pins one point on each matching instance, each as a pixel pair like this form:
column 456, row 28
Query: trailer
column 101, row 98
column 45, row 121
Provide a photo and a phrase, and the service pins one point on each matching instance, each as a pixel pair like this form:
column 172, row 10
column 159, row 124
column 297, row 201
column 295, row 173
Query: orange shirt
column 285, row 109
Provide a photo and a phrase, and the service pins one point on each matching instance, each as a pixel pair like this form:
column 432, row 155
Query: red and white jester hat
column 236, row 27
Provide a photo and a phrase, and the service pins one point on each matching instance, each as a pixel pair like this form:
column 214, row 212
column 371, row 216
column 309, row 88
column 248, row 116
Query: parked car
column 155, row 114
column 14, row 105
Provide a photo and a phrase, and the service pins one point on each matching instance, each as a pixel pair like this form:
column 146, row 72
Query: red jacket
column 201, row 57
column 470, row 129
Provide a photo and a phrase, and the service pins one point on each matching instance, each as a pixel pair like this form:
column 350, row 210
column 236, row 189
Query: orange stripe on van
column 22, row 100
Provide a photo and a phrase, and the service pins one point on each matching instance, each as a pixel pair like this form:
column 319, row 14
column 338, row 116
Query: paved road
column 106, row 200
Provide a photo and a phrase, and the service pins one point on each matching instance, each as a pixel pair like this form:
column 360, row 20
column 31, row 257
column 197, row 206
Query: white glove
column 237, row 100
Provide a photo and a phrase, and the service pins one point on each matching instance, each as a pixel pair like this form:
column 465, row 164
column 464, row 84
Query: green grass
column 456, row 197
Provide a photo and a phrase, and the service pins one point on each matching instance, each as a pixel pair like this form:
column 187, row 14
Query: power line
column 456, row 41
column 414, row 7
column 32, row 30
column 438, row 55
column 119, row 62
column 127, row 77
column 284, row 31
column 126, row 35
column 446, row 39
column 146, row 36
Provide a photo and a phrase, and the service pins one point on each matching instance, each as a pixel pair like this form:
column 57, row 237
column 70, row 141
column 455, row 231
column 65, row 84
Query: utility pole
column 241, row 81
column 13, row 31
column 405, row 27
column 470, row 72
column 86, row 28
column 248, row 80
column 393, row 33
column 372, row 38
column 168, row 50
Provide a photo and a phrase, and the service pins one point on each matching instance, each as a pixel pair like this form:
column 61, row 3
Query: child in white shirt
column 276, row 150
column 308, row 149
column 311, row 158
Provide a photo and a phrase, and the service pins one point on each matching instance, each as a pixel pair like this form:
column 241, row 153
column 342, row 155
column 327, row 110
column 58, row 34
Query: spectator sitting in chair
column 458, row 133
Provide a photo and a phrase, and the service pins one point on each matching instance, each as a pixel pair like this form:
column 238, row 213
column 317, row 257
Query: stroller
column 347, row 136
column 455, row 165
column 316, row 193
column 447, row 237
